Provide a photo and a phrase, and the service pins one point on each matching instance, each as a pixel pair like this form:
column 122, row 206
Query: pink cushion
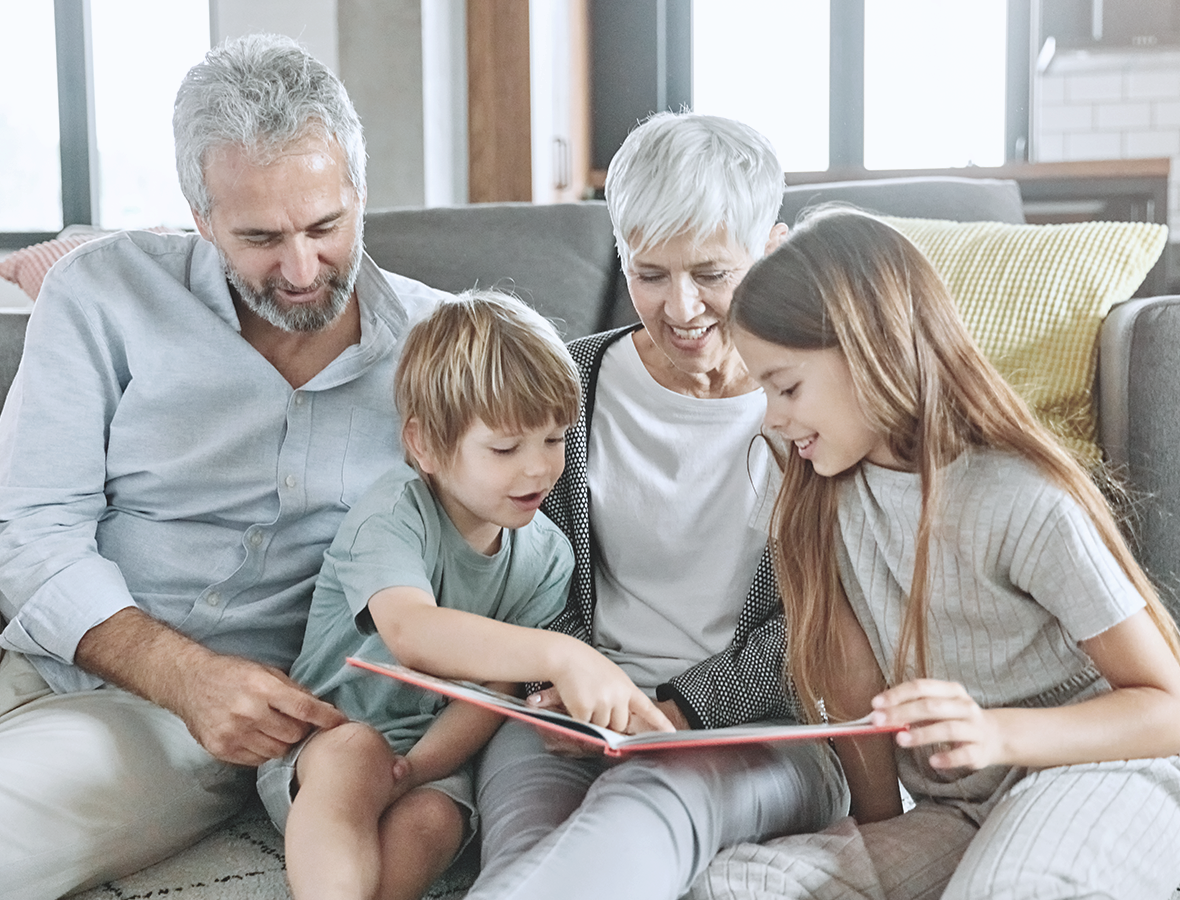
column 27, row 266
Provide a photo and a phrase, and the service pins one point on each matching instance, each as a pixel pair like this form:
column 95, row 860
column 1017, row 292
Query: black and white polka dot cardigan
column 743, row 683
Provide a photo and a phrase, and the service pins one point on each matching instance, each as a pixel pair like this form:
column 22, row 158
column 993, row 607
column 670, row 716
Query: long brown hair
column 843, row 279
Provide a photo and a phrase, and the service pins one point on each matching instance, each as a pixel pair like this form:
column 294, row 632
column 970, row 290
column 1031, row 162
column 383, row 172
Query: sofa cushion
column 1034, row 297
column 26, row 267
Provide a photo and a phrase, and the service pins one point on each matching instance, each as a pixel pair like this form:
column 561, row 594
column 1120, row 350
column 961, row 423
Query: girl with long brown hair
column 945, row 565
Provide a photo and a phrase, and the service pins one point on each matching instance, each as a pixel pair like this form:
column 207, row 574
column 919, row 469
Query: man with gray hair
column 192, row 417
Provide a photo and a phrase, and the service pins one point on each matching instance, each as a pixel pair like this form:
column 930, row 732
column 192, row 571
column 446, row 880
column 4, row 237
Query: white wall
column 444, row 95
column 1111, row 106
column 404, row 64
column 311, row 22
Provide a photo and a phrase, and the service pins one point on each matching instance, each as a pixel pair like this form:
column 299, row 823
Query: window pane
column 142, row 50
column 30, row 155
column 765, row 62
column 934, row 83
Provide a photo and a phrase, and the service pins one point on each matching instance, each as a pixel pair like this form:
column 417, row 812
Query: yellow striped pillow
column 1034, row 297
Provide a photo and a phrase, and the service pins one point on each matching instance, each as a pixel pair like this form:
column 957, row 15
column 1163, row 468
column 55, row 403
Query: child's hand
column 593, row 689
column 550, row 698
column 941, row 712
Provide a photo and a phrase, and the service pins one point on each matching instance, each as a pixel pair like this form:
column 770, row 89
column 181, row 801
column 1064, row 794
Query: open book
column 610, row 742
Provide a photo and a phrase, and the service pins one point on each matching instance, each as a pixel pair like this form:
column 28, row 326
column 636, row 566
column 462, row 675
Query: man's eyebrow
column 329, row 219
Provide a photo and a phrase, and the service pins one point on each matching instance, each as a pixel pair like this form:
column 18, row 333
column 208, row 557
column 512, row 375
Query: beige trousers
column 96, row 785
column 1099, row 830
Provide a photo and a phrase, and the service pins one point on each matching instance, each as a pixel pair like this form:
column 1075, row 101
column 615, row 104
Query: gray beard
column 262, row 302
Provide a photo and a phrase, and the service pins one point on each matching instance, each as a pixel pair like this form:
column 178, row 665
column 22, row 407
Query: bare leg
column 333, row 843
column 420, row 836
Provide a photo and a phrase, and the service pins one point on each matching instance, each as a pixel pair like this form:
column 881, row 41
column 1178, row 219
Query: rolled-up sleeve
column 150, row 456
column 54, row 585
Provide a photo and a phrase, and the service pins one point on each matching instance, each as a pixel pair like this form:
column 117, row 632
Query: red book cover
column 612, row 743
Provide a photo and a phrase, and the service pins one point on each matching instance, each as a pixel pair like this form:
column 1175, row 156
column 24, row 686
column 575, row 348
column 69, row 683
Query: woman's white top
column 679, row 501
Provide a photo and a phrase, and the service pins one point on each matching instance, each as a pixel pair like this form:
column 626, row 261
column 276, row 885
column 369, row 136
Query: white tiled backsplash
column 1111, row 106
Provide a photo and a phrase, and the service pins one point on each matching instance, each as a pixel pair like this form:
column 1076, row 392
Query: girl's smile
column 811, row 401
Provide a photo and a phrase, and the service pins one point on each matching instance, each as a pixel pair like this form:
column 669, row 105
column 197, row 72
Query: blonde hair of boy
column 489, row 356
column 845, row 279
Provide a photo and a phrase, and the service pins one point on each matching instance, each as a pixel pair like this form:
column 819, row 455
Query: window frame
column 76, row 124
column 75, row 113
column 641, row 62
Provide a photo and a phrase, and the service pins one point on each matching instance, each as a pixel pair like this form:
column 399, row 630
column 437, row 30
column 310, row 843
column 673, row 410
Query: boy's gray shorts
column 277, row 787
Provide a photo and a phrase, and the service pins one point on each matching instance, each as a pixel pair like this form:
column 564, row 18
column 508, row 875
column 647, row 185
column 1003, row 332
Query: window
column 142, row 50
column 773, row 77
column 934, row 83
column 929, row 75
column 87, row 138
column 837, row 85
column 30, row 165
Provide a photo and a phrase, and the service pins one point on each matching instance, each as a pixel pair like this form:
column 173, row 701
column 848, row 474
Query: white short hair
column 684, row 173
column 261, row 92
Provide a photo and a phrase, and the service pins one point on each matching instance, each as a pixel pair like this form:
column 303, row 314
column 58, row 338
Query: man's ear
column 202, row 225
column 415, row 445
column 778, row 234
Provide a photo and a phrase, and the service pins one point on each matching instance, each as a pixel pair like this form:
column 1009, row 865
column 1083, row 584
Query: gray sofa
column 562, row 259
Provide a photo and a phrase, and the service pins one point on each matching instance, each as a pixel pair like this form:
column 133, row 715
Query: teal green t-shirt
column 398, row 535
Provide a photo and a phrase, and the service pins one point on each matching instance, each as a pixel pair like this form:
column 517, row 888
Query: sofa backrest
column 920, row 197
column 12, row 344
column 560, row 258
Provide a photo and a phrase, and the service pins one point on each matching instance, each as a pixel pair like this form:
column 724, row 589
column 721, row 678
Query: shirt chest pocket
column 372, row 448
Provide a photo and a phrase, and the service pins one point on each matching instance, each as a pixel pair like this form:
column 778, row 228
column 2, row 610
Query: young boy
column 439, row 570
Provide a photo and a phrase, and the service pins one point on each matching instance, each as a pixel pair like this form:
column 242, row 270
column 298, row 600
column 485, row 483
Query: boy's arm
column 451, row 643
column 458, row 732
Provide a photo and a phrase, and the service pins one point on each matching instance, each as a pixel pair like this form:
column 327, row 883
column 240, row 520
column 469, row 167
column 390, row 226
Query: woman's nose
column 684, row 301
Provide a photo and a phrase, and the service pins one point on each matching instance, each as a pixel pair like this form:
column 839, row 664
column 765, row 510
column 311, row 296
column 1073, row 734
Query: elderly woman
column 663, row 499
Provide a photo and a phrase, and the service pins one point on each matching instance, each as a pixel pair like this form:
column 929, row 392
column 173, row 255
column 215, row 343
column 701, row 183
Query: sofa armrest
column 1139, row 426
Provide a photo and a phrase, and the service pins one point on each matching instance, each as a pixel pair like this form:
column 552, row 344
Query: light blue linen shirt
column 151, row 457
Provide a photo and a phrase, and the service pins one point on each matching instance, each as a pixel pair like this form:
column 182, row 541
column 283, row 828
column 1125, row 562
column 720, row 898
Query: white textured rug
column 243, row 860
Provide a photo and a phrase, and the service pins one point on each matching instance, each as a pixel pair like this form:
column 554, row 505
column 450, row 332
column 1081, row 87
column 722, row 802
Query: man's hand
column 243, row 712
column 240, row 711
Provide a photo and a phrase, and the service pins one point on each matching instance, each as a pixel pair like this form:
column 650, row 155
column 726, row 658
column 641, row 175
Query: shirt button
column 289, row 481
column 255, row 538
column 214, row 598
column 298, row 399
